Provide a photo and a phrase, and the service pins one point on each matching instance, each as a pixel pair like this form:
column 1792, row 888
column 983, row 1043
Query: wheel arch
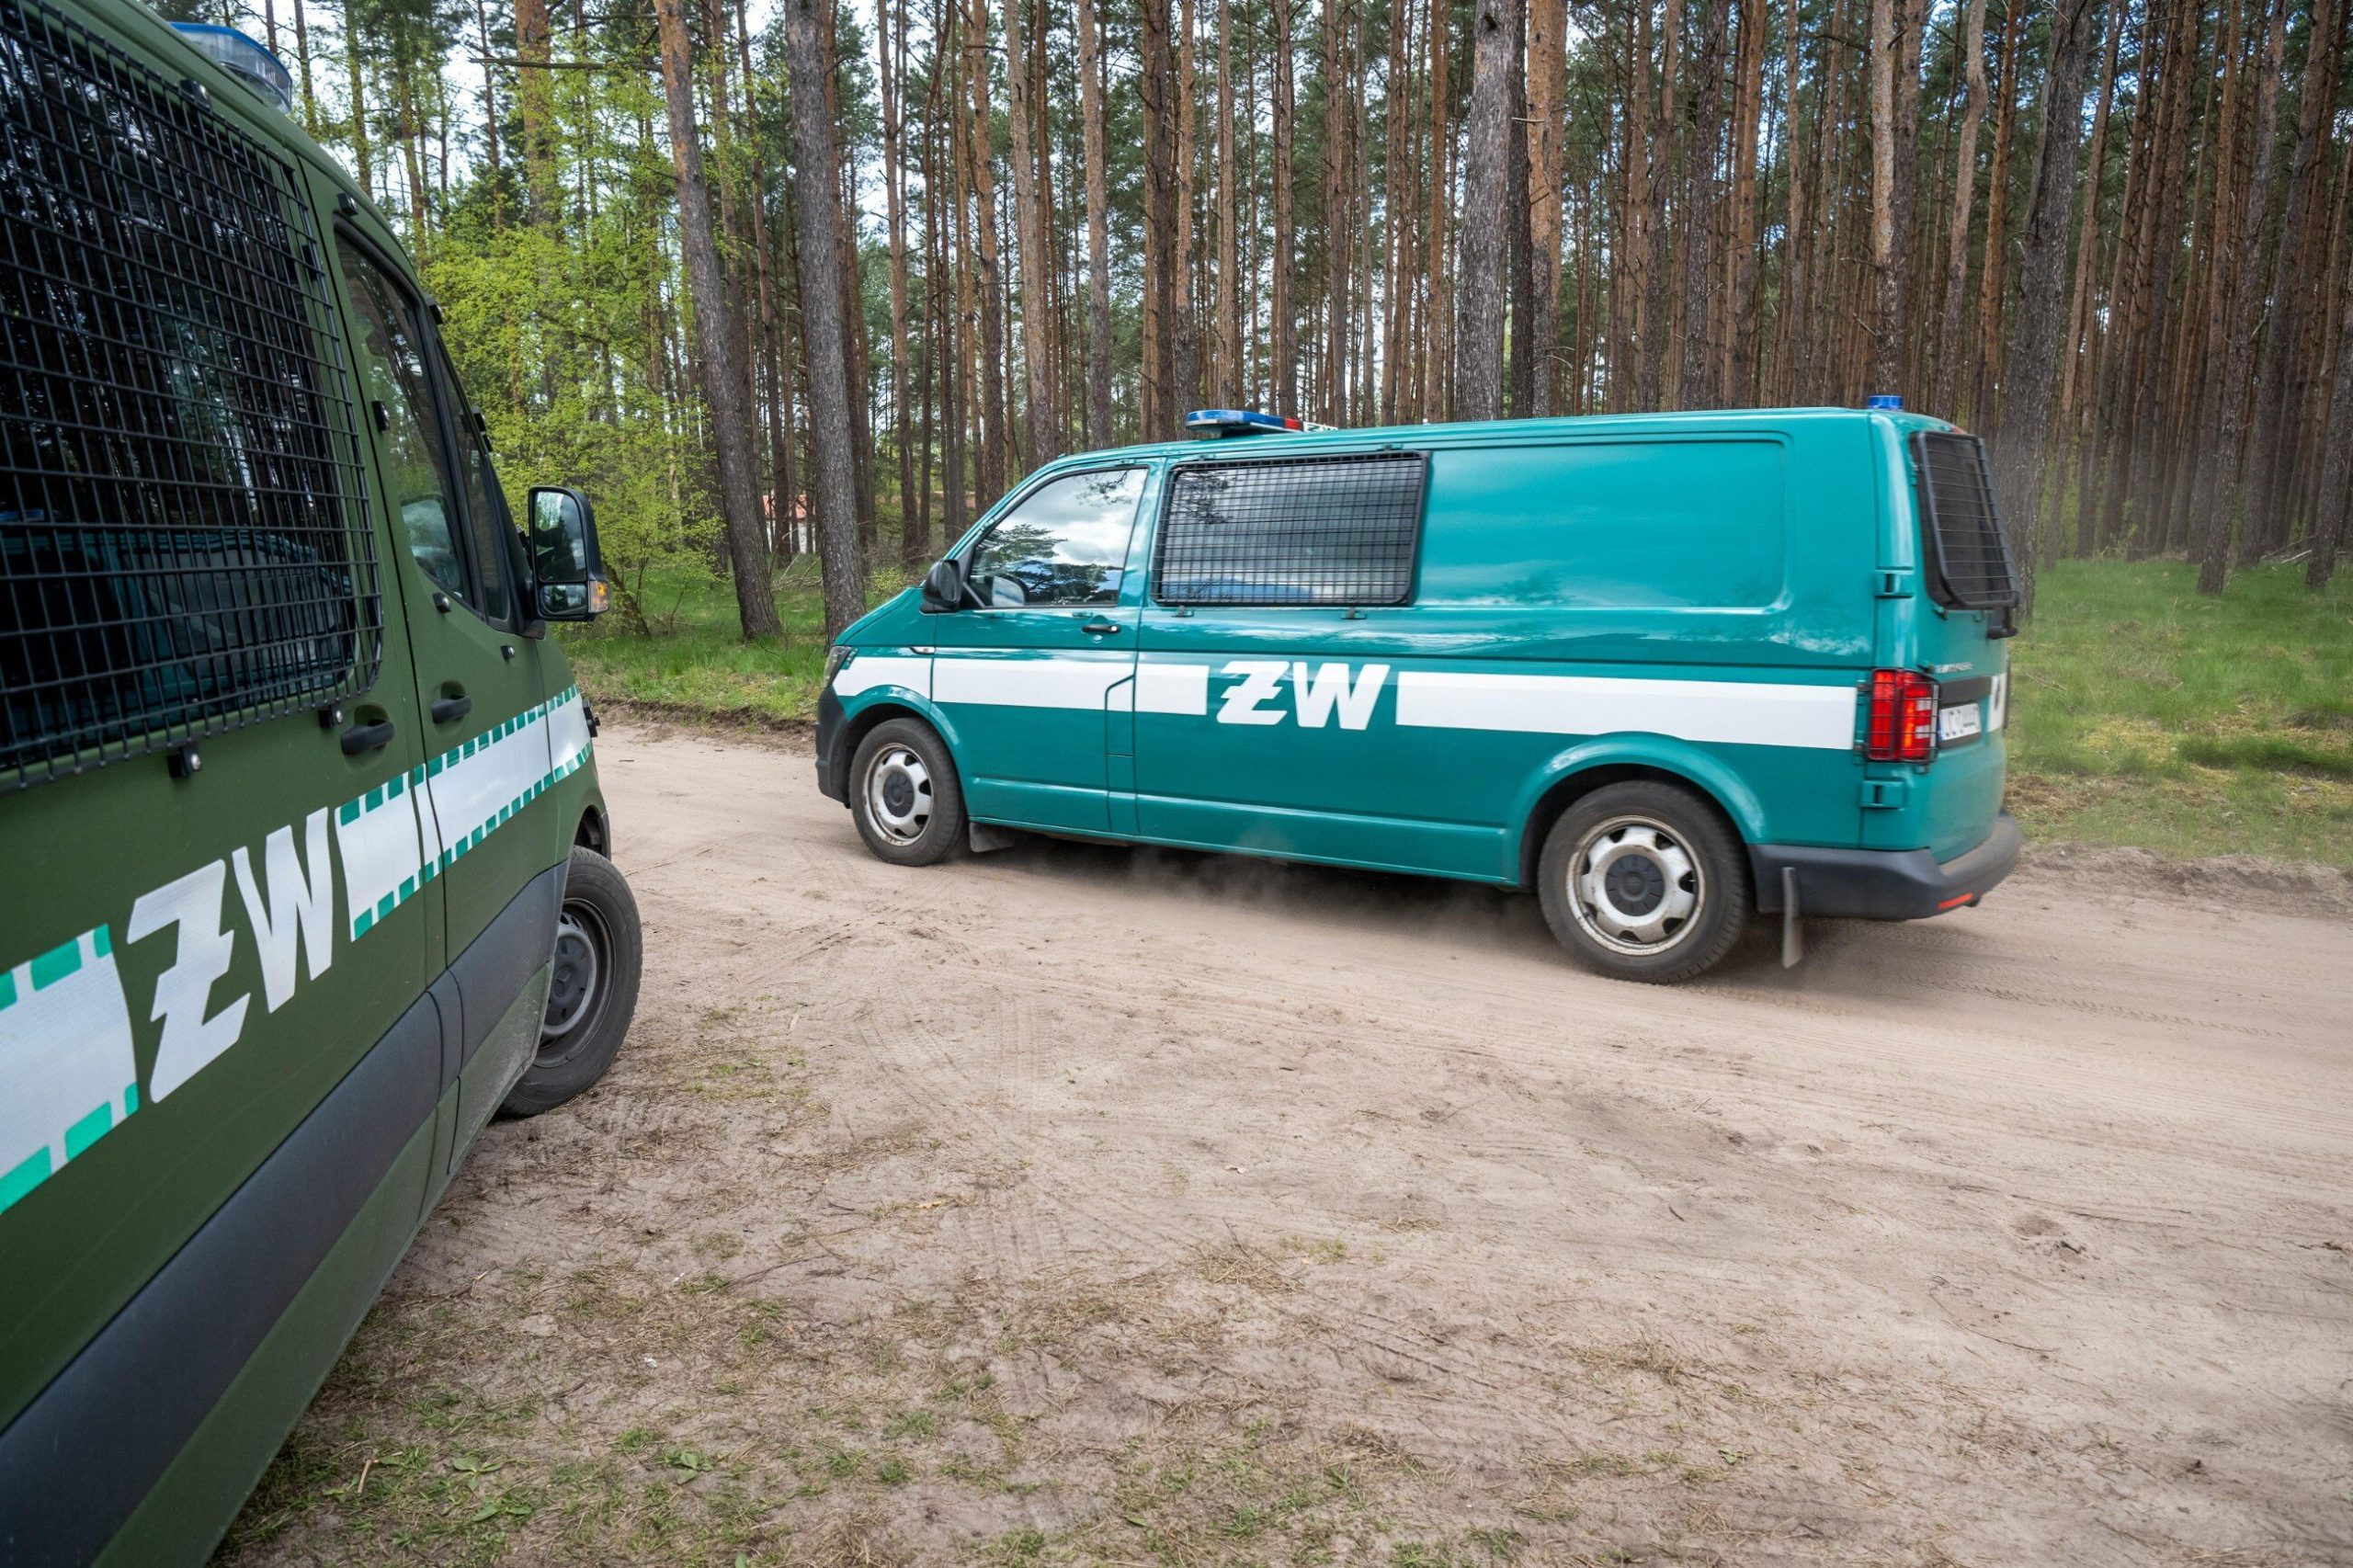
column 857, row 727
column 1580, row 770
column 593, row 830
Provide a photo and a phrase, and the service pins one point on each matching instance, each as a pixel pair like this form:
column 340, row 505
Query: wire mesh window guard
column 1966, row 545
column 1336, row 530
column 185, row 544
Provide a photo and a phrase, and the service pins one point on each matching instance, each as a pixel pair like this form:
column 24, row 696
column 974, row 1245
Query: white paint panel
column 1172, row 688
column 470, row 791
column 1057, row 680
column 1737, row 712
column 379, row 849
column 568, row 732
column 65, row 1057
column 1997, row 712
column 868, row 671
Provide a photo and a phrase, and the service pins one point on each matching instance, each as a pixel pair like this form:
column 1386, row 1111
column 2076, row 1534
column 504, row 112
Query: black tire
column 600, row 958
column 1619, row 863
column 904, row 795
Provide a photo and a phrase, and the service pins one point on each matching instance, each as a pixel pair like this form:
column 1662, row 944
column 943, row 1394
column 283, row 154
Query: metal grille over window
column 1970, row 555
column 184, row 538
column 1337, row 530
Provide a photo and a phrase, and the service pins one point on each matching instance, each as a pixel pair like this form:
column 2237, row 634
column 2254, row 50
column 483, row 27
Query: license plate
column 1959, row 723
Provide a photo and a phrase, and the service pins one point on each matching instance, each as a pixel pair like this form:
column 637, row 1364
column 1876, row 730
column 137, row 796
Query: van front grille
column 185, row 544
column 1969, row 553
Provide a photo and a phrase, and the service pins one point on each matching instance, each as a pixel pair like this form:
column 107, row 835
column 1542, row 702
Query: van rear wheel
column 904, row 795
column 1645, row 881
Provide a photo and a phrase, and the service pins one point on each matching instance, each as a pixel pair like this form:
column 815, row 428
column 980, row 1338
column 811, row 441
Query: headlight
column 835, row 658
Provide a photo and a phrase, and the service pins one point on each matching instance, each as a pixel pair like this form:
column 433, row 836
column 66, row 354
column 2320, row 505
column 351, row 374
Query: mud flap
column 1793, row 938
column 983, row 838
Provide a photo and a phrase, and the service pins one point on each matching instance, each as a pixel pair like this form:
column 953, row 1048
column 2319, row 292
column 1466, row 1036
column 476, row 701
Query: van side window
column 1339, row 530
column 185, row 544
column 1064, row 543
column 486, row 507
column 393, row 378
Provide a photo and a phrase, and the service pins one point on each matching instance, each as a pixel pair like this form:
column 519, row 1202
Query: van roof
column 1308, row 443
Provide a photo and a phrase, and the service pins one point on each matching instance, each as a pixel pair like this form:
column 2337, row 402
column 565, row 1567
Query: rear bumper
column 1880, row 884
column 830, row 769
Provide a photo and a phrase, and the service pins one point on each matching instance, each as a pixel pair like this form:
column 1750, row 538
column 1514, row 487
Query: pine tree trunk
column 988, row 282
column 722, row 378
column 833, row 490
column 1229, row 355
column 1284, row 371
column 1950, row 357
column 2268, row 521
column 536, row 98
column 1030, row 175
column 1159, row 262
column 2211, row 528
column 2034, row 347
column 1098, row 228
column 1479, row 333
column 1333, row 406
column 1547, row 68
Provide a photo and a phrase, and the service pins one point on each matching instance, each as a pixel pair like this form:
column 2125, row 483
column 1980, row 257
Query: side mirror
column 943, row 587
column 567, row 569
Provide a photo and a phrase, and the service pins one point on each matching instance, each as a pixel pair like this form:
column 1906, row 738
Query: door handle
column 1101, row 628
column 449, row 708
column 366, row 737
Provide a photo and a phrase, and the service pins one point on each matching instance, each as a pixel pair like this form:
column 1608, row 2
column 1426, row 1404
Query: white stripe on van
column 1737, row 712
column 1062, row 680
column 865, row 672
column 1172, row 688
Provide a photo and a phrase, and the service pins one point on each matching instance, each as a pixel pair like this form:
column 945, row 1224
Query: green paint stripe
column 362, row 923
column 375, row 797
column 349, row 814
column 28, row 1174
column 7, row 988
column 386, row 904
column 103, row 939
column 408, row 889
column 59, row 963
column 130, row 1098
column 88, row 1130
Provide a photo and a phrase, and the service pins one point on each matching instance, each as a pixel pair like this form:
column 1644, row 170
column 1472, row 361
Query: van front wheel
column 592, row 986
column 904, row 795
column 1644, row 881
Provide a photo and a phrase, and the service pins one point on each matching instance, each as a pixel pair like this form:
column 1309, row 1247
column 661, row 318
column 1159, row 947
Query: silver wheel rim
column 898, row 794
column 576, row 984
column 1634, row 887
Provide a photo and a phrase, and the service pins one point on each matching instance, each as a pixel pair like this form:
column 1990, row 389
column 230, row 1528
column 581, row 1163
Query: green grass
column 2144, row 714
column 2141, row 713
column 692, row 661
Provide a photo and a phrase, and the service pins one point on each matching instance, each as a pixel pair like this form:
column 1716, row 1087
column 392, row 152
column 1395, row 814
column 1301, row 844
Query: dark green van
column 303, row 866
column 1667, row 670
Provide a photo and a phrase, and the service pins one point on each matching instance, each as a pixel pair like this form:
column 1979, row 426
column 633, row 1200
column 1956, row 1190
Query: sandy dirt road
column 1077, row 1203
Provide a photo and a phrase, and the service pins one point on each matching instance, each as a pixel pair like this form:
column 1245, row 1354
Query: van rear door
column 1956, row 632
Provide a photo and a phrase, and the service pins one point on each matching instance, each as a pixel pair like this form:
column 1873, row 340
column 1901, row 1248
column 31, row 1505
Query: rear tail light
column 1901, row 725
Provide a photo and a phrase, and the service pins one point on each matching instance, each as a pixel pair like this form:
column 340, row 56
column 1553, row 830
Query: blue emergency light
column 245, row 59
column 1224, row 422
column 1892, row 401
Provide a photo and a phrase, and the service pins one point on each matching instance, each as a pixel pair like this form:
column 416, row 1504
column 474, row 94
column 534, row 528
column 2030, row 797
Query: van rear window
column 183, row 540
column 1969, row 554
column 1337, row 530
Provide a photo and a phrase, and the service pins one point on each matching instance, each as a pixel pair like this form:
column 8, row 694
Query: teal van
column 304, row 865
column 1667, row 670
